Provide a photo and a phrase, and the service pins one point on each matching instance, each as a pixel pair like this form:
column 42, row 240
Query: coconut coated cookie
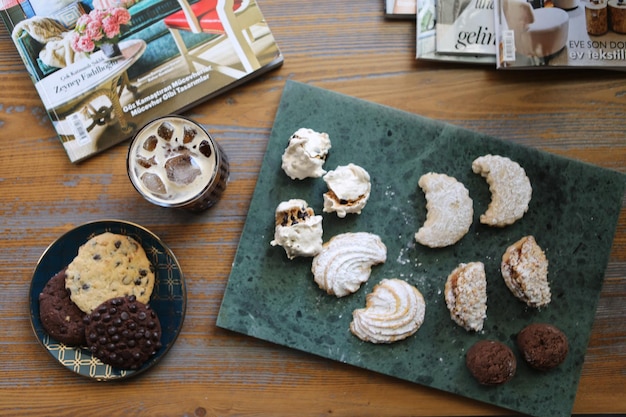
column 109, row 265
column 524, row 268
column 465, row 293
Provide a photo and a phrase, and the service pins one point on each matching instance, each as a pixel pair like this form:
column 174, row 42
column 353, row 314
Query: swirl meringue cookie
column 524, row 268
column 466, row 295
column 298, row 230
column 346, row 261
column 394, row 310
column 305, row 154
column 348, row 190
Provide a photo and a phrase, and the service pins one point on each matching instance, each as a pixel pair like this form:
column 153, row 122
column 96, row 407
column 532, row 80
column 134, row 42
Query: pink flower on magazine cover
column 98, row 27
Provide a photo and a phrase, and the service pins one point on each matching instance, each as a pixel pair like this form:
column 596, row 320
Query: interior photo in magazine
column 103, row 68
column 561, row 33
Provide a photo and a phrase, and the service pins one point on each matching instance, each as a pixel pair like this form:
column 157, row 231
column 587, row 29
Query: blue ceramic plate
column 169, row 297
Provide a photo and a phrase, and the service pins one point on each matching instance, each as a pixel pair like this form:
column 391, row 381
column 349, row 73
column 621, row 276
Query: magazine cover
column 561, row 33
column 465, row 27
column 401, row 9
column 104, row 68
column 426, row 39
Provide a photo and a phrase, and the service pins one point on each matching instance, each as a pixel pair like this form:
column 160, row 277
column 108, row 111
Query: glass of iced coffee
column 174, row 162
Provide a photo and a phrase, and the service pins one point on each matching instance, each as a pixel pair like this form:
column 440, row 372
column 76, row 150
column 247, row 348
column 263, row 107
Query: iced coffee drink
column 174, row 162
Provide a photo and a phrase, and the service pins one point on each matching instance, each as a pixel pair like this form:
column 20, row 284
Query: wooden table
column 343, row 46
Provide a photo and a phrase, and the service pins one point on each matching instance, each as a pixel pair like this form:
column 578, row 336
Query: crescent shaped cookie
column 450, row 211
column 510, row 189
column 394, row 310
column 524, row 268
column 346, row 261
column 466, row 295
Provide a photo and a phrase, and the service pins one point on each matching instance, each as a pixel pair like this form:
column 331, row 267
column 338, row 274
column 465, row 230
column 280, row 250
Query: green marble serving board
column 573, row 216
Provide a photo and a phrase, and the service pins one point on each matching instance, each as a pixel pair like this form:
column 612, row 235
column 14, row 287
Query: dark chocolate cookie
column 59, row 316
column 543, row 346
column 491, row 362
column 123, row 332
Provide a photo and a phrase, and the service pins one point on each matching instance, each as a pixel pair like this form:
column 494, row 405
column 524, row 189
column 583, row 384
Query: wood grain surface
column 347, row 47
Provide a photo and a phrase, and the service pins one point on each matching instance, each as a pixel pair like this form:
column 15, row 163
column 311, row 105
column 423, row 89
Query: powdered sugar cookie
column 450, row 211
column 510, row 189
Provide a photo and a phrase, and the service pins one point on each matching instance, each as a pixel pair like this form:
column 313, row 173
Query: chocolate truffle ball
column 491, row 362
column 543, row 346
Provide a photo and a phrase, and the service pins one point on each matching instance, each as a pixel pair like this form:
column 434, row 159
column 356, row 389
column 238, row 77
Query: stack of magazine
column 168, row 55
column 521, row 34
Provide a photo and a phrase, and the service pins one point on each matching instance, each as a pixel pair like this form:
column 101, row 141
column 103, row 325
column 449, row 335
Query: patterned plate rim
column 169, row 295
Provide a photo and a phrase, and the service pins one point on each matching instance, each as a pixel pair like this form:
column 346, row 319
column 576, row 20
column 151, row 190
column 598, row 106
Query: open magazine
column 466, row 27
column 561, row 33
column 104, row 68
column 427, row 39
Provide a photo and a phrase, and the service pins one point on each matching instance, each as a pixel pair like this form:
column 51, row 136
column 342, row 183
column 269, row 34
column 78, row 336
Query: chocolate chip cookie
column 107, row 266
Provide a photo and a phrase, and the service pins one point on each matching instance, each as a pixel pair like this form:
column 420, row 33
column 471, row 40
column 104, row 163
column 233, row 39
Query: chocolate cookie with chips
column 123, row 332
column 59, row 316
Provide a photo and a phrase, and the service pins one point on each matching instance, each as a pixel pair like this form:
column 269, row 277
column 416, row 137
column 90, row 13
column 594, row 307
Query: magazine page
column 426, row 39
column 148, row 58
column 466, row 27
column 400, row 9
column 561, row 33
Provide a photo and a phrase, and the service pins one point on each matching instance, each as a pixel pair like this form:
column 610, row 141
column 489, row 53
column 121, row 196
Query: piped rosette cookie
column 346, row 261
column 394, row 310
